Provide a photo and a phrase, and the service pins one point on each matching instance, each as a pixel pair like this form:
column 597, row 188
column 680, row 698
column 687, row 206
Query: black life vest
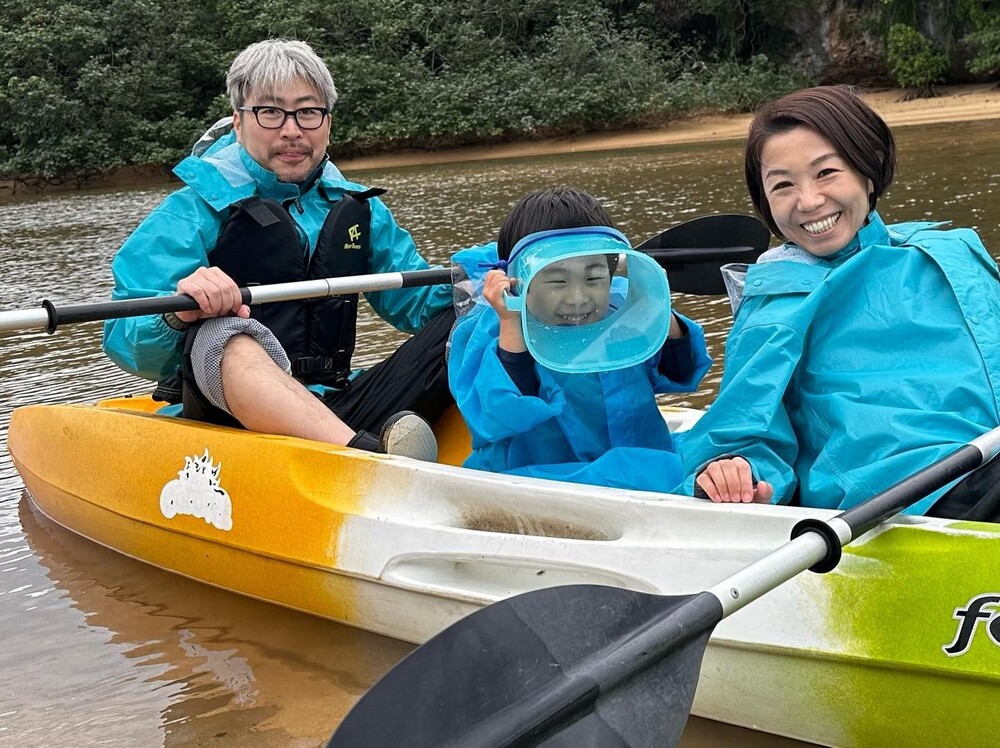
column 260, row 244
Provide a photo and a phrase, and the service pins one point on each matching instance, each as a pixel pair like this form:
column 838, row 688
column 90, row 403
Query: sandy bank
column 953, row 104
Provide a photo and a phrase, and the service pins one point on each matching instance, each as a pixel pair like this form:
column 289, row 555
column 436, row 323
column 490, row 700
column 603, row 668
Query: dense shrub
column 91, row 85
column 913, row 61
column 986, row 42
column 735, row 86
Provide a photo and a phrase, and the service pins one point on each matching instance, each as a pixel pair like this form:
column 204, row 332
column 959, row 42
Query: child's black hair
column 546, row 210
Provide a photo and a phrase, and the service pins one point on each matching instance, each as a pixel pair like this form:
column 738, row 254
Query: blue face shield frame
column 635, row 318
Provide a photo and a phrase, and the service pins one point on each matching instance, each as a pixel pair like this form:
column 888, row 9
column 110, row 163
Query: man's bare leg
column 264, row 398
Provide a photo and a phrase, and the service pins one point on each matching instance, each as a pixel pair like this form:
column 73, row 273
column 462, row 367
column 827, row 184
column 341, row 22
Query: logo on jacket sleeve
column 980, row 608
column 354, row 235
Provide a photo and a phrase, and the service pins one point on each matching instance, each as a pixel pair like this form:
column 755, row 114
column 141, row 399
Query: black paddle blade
column 692, row 252
column 562, row 667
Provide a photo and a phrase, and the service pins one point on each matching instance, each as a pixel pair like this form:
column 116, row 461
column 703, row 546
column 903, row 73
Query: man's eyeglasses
column 273, row 118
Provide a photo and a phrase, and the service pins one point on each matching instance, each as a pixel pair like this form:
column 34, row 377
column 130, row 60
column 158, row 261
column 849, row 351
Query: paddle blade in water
column 581, row 665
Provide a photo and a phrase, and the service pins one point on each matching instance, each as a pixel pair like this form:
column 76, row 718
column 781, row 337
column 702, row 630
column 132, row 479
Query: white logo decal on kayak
column 196, row 492
column 980, row 608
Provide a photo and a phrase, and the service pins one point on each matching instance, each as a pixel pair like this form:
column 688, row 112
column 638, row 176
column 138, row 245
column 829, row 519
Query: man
column 263, row 205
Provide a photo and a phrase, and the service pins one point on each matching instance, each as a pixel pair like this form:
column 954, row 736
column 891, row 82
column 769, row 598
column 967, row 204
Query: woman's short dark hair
column 547, row 210
column 861, row 137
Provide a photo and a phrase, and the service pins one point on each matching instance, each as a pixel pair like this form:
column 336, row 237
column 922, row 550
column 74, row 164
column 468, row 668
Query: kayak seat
column 454, row 440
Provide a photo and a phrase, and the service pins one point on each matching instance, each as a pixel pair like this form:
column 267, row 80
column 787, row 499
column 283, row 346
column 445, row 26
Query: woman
column 860, row 352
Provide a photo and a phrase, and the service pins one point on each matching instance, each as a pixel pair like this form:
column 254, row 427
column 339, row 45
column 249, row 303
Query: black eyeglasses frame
column 294, row 114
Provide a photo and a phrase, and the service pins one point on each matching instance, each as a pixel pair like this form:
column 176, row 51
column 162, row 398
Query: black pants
column 414, row 377
column 976, row 497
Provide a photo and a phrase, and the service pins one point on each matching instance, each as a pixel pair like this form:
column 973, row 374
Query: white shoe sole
column 408, row 435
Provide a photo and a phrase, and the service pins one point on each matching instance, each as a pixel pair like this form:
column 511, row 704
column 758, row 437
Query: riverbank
column 953, row 104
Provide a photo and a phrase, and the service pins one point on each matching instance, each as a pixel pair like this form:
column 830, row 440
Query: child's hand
column 677, row 328
column 731, row 480
column 494, row 285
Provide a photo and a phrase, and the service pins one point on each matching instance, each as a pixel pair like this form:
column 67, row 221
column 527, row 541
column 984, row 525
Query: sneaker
column 364, row 440
column 408, row 435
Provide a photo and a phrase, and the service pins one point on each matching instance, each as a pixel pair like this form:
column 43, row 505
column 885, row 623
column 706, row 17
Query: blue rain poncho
column 597, row 428
column 845, row 375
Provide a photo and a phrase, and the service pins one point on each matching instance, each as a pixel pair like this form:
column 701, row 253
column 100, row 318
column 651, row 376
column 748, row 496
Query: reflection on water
column 164, row 660
column 98, row 649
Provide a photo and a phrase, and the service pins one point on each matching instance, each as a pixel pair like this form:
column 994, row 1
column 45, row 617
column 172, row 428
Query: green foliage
column 985, row 39
column 91, row 85
column 913, row 61
column 734, row 86
column 732, row 29
column 583, row 73
column 974, row 22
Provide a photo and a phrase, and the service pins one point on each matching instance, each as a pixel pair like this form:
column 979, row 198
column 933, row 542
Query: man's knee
column 241, row 347
column 232, row 340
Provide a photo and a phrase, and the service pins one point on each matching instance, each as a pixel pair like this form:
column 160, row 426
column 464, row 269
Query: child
column 544, row 404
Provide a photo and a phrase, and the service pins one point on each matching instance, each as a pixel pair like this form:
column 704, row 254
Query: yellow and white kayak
column 899, row 645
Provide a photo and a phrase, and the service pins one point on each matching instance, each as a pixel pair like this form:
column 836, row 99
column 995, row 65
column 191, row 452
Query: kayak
column 898, row 645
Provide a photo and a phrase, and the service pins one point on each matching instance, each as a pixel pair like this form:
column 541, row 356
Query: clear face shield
column 588, row 301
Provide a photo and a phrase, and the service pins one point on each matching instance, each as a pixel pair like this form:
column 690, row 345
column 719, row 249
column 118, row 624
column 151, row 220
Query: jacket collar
column 230, row 174
column 872, row 233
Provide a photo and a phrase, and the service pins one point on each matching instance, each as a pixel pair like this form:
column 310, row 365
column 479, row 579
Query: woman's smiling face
column 817, row 199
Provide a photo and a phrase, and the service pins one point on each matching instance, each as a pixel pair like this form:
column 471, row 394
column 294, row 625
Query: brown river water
column 97, row 649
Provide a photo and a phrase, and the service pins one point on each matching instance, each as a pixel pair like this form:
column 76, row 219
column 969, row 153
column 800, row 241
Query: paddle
column 49, row 317
column 586, row 665
column 691, row 252
column 716, row 239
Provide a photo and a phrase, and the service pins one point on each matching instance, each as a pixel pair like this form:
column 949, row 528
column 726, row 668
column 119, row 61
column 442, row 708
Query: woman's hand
column 731, row 480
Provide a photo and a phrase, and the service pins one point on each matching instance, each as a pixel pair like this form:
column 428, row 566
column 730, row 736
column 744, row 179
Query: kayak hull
column 859, row 656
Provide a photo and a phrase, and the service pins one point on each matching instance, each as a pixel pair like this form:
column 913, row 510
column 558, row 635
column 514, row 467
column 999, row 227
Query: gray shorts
column 209, row 342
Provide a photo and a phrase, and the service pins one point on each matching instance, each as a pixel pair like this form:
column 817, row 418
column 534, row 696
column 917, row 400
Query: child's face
column 574, row 291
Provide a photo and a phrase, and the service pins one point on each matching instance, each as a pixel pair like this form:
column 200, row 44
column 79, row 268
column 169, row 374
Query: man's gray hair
column 266, row 67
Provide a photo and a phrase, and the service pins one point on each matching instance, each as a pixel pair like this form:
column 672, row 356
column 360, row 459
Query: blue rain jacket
column 603, row 429
column 844, row 376
column 174, row 240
